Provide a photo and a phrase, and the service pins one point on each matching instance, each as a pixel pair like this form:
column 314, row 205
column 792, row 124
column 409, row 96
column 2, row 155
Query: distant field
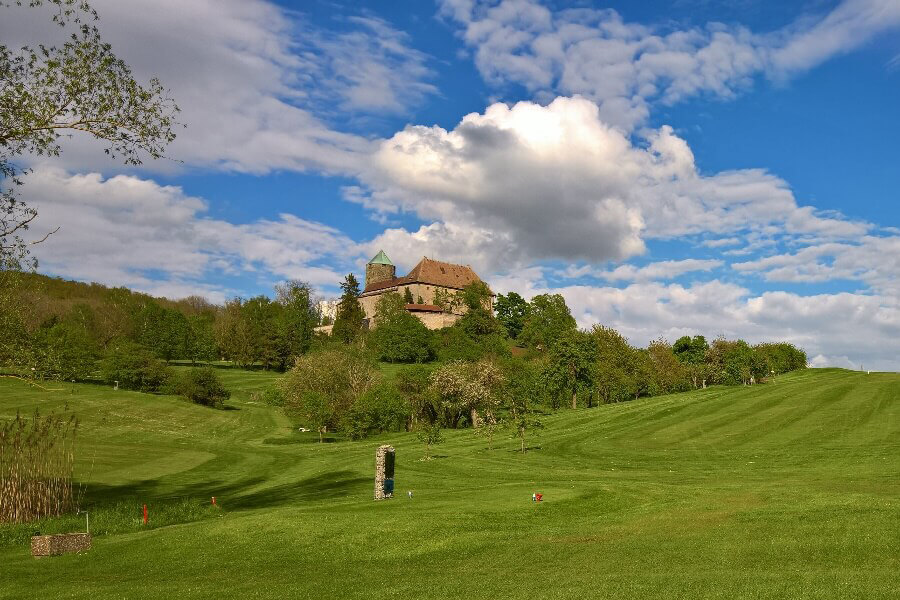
column 785, row 490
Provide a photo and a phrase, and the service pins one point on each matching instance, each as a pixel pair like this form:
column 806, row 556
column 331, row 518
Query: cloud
column 625, row 67
column 851, row 24
column 370, row 68
column 842, row 329
column 720, row 242
column 660, row 270
column 124, row 230
column 874, row 260
column 525, row 183
column 260, row 89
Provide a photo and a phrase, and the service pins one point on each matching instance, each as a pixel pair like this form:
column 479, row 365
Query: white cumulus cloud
column 525, row 183
column 625, row 66
column 124, row 230
column 259, row 88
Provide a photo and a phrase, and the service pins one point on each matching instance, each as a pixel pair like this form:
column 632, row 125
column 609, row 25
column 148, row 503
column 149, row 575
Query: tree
column 413, row 383
column 202, row 342
column 613, row 367
column 48, row 91
column 407, row 295
column 202, row 386
column 133, row 367
column 323, row 386
column 381, row 408
column 233, row 335
column 399, row 336
column 523, row 390
column 669, row 373
column 512, row 311
column 63, row 350
column 165, row 331
column 641, row 377
column 691, row 352
column 448, row 301
column 569, row 370
column 548, row 319
column 261, row 317
column 780, row 357
column 467, row 389
column 299, row 318
column 430, row 435
column 479, row 321
column 350, row 314
column 730, row 362
column 477, row 333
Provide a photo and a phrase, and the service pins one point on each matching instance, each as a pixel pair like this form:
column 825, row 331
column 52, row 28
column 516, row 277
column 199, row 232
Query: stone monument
column 384, row 472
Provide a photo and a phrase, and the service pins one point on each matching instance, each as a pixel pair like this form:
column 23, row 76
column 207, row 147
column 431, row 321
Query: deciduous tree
column 512, row 311
column 323, row 386
column 398, row 335
column 569, row 370
column 299, row 317
column 548, row 320
column 48, row 90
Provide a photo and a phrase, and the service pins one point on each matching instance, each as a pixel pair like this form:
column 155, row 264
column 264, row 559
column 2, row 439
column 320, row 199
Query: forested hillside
column 522, row 359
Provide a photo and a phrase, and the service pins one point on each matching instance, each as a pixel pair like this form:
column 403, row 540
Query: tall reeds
column 37, row 457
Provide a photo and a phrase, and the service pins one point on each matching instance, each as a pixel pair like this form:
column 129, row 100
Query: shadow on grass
column 236, row 495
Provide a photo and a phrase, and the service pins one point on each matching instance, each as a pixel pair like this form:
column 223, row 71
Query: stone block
column 65, row 543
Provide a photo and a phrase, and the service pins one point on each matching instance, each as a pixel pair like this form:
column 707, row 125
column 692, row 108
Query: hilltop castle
column 428, row 281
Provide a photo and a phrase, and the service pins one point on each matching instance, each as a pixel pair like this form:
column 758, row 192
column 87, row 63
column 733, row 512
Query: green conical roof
column 381, row 259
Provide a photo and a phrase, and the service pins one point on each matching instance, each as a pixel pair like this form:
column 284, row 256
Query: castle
column 429, row 283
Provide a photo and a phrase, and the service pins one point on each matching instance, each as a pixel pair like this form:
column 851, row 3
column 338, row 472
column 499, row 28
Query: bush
column 399, row 336
column 273, row 396
column 380, row 409
column 202, row 386
column 135, row 368
column 456, row 344
column 324, row 386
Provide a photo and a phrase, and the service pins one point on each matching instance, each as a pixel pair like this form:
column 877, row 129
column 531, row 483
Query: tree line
column 497, row 369
column 66, row 330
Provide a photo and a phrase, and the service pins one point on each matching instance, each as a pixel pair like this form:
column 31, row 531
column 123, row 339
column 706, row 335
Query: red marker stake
column 145, row 514
column 214, row 500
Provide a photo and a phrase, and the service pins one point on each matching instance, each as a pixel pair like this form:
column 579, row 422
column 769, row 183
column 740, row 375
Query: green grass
column 788, row 490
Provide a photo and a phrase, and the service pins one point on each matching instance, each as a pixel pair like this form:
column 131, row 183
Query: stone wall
column 54, row 545
column 436, row 320
column 380, row 459
column 377, row 272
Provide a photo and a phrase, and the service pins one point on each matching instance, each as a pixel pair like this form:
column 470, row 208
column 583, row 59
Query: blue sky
column 724, row 168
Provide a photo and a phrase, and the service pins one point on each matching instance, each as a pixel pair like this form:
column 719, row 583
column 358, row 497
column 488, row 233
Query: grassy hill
column 783, row 490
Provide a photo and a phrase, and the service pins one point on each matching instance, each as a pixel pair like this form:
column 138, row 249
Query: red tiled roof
column 423, row 308
column 388, row 283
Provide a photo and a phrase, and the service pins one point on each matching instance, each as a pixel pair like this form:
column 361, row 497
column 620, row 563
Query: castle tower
column 379, row 269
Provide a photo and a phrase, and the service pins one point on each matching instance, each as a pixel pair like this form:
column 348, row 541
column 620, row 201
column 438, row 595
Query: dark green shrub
column 380, row 409
column 202, row 386
column 456, row 344
column 135, row 368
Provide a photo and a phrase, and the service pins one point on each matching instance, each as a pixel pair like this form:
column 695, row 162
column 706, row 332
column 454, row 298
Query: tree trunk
column 322, row 431
column 574, row 399
column 476, row 420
